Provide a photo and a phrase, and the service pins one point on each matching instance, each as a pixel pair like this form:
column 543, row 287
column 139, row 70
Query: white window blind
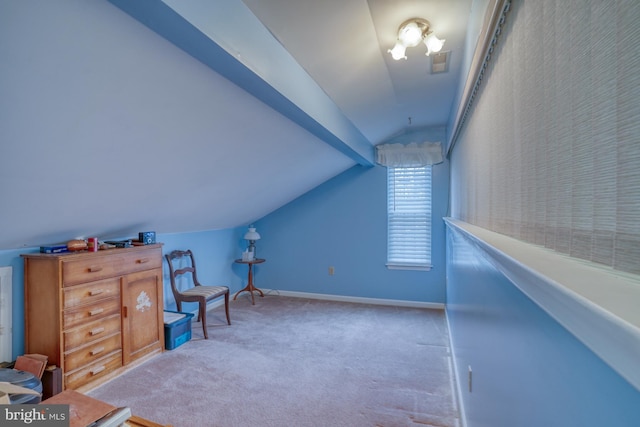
column 409, row 218
column 551, row 151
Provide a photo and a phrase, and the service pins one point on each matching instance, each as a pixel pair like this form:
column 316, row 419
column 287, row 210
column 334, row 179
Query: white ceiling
column 190, row 115
column 343, row 46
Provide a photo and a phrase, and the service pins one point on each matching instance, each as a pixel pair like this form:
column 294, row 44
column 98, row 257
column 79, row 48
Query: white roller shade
column 550, row 152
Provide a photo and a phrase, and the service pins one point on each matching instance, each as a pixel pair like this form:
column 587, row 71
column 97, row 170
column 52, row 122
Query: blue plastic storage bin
column 177, row 328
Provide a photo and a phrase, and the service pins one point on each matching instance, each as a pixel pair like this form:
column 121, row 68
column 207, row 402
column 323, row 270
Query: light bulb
column 433, row 43
column 398, row 51
column 410, row 34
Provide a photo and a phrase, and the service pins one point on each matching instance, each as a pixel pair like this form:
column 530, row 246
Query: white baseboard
column 340, row 298
column 210, row 305
column 360, row 300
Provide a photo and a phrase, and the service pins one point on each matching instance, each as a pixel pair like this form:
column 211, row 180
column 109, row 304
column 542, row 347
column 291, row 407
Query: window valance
column 409, row 155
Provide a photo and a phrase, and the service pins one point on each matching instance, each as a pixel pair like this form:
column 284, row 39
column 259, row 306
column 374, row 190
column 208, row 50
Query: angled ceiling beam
column 228, row 38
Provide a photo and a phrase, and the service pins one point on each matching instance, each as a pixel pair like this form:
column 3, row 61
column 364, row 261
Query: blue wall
column 342, row 224
column 214, row 251
column 528, row 371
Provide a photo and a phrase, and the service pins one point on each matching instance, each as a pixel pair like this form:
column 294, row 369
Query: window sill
column 597, row 304
column 415, row 267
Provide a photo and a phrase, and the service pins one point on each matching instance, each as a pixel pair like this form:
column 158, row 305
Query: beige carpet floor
column 299, row 362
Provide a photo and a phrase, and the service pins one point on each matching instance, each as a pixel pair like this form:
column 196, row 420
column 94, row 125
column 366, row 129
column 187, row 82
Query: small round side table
column 250, row 288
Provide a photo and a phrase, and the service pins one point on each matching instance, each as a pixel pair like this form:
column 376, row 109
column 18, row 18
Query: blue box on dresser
column 177, row 328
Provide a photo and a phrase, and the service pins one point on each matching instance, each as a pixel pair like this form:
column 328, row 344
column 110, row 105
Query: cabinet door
column 142, row 314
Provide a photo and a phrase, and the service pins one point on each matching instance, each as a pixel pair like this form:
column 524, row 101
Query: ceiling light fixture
column 411, row 33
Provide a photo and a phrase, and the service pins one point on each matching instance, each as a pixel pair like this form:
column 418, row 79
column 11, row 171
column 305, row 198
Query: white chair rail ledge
column 595, row 303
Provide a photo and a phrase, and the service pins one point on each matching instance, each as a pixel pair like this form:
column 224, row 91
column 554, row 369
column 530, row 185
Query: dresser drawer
column 87, row 294
column 77, row 316
column 76, row 271
column 91, row 332
column 92, row 352
column 100, row 368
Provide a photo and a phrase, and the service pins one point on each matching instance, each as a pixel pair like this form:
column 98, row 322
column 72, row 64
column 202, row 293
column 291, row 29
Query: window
column 409, row 218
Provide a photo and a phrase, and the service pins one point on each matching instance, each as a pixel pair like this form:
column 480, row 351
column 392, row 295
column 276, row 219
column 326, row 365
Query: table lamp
column 251, row 236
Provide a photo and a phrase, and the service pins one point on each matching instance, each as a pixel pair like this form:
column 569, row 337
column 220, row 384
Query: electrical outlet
column 470, row 379
column 331, row 271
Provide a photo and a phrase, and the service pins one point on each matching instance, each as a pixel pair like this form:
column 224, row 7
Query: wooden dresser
column 94, row 313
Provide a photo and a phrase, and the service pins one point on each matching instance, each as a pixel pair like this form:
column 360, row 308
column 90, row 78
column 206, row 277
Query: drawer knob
column 96, row 292
column 94, row 269
column 97, row 351
column 96, row 311
column 97, row 370
column 142, row 260
column 96, row 331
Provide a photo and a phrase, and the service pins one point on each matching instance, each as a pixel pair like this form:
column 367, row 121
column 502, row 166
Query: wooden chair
column 182, row 262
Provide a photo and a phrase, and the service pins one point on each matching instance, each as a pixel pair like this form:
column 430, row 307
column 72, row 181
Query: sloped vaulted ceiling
column 108, row 129
column 177, row 116
column 227, row 37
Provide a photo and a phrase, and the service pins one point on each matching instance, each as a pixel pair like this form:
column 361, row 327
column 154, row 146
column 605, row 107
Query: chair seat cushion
column 206, row 291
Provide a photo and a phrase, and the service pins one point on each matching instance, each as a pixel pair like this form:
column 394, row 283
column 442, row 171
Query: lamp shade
column 410, row 34
column 251, row 234
column 398, row 51
column 433, row 44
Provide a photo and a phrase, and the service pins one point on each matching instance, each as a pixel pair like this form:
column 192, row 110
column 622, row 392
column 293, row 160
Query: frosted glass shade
column 252, row 234
column 398, row 51
column 433, row 44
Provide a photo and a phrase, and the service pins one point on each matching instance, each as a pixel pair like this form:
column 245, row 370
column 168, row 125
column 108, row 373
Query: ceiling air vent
column 440, row 62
